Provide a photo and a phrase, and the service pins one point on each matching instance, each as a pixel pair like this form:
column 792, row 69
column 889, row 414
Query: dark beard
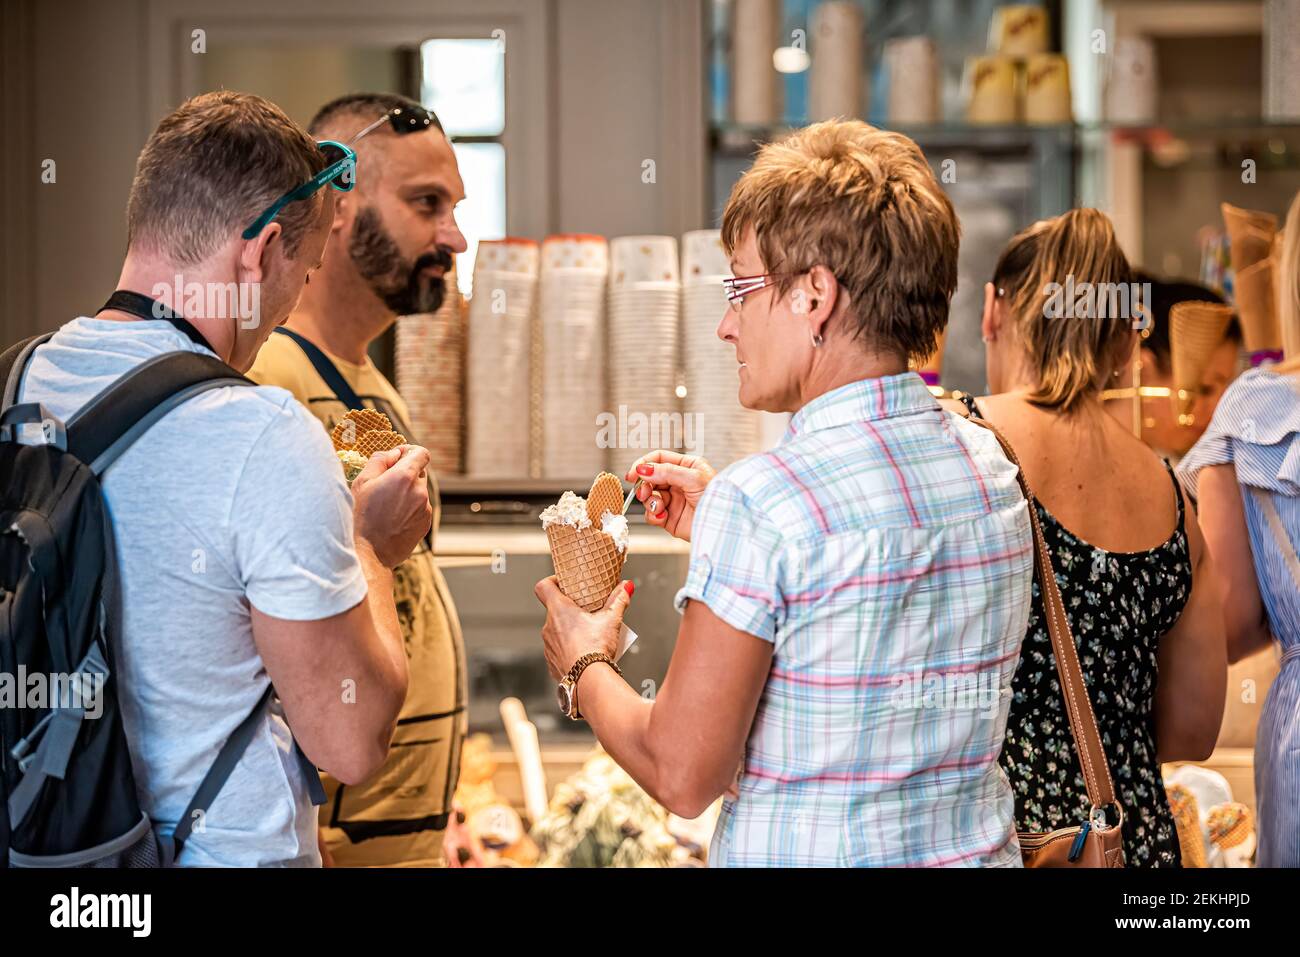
column 400, row 284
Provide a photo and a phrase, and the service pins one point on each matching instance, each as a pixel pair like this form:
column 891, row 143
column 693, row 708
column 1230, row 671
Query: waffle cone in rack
column 587, row 563
column 1252, row 237
column 1250, row 234
column 1196, row 329
column 606, row 495
column 1253, row 288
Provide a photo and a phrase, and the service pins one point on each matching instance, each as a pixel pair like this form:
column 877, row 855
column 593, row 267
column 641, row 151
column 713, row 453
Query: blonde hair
column 1069, row 355
column 1289, row 288
column 865, row 204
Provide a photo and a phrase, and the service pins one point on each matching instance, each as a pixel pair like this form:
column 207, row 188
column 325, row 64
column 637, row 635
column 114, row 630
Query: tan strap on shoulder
column 1083, row 723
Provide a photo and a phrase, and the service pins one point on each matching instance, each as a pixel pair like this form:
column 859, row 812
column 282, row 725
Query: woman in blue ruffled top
column 1245, row 474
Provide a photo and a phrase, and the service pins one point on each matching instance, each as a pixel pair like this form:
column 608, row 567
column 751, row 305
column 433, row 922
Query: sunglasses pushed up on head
column 340, row 170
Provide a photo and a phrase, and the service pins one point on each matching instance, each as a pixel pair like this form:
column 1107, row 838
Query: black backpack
column 68, row 792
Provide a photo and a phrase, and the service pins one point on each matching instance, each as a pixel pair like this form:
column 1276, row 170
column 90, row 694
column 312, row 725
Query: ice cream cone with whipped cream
column 588, row 539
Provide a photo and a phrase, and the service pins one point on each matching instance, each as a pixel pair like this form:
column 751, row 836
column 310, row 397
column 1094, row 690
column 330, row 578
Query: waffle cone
column 606, row 495
column 1187, row 823
column 1229, row 824
column 1254, row 290
column 348, row 430
column 370, row 420
column 379, row 440
column 1196, row 329
column 587, row 564
column 1250, row 234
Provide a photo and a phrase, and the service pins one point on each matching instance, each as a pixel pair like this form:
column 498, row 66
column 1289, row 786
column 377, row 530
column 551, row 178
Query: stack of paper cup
column 498, row 370
column 836, row 80
column 644, row 311
column 912, row 68
column 429, row 362
column 755, row 34
column 1019, row 31
column 717, row 426
column 1131, row 81
column 571, row 306
column 1047, row 90
column 991, row 85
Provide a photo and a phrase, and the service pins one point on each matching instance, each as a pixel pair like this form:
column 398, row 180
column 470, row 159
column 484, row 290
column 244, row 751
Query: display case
column 1167, row 121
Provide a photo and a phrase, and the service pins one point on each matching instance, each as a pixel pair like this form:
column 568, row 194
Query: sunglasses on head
column 341, row 161
column 340, row 173
column 403, row 120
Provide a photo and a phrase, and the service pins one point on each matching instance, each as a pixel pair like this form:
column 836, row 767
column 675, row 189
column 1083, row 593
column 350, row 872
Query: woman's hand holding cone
column 671, row 487
column 570, row 632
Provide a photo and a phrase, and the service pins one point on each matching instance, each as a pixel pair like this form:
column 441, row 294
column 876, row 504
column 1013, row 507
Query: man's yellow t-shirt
column 396, row 818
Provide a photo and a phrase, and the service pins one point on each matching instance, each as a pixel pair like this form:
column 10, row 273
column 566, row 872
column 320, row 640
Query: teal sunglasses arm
column 345, row 168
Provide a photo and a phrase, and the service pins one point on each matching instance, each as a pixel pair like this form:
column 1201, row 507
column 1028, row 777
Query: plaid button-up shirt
column 884, row 548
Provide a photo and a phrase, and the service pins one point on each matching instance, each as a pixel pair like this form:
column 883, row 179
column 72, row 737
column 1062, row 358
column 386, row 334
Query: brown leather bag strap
column 1083, row 723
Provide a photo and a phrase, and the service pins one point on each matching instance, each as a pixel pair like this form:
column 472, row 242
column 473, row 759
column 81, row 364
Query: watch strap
column 579, row 667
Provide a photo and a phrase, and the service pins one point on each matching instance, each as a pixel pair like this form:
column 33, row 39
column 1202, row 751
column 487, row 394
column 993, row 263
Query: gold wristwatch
column 567, row 693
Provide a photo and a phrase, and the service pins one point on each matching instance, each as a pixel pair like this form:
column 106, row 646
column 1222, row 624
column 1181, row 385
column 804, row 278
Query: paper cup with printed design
column 637, row 259
column 1019, row 30
column 992, row 87
column 512, row 254
column 575, row 251
column 1047, row 90
column 703, row 258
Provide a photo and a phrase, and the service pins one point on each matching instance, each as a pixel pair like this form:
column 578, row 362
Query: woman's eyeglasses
column 739, row 287
column 341, row 161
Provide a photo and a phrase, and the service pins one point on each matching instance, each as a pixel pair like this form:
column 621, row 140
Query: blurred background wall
column 593, row 89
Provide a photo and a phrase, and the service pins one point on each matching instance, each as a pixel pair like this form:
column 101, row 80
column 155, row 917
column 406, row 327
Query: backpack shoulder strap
column 221, row 769
column 108, row 425
column 328, row 372
column 12, row 363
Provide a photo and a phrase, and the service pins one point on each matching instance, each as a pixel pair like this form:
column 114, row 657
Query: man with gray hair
column 243, row 560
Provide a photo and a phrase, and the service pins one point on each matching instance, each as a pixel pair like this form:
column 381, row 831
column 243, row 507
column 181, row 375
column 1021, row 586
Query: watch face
column 564, row 698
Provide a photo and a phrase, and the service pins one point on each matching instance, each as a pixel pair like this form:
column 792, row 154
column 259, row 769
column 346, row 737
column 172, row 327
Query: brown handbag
column 1094, row 843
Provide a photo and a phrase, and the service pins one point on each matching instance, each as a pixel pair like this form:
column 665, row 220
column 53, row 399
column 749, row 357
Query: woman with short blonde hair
column 880, row 551
column 1128, row 556
column 1245, row 474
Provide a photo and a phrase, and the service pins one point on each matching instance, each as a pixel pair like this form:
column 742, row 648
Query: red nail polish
column 645, row 470
column 630, row 588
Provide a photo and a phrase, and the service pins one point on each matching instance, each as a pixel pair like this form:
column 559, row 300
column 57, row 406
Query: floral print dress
column 1120, row 604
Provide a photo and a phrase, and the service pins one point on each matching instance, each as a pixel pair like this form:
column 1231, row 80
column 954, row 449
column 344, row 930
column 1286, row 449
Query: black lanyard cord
column 142, row 307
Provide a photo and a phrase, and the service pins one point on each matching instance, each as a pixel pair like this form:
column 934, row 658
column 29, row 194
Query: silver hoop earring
column 986, row 339
column 817, row 341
